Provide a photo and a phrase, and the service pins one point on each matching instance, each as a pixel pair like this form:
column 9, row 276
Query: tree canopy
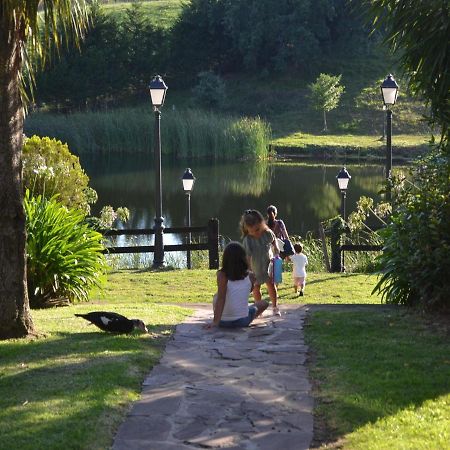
column 419, row 33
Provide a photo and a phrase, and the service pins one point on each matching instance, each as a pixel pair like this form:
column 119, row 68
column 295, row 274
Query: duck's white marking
column 105, row 320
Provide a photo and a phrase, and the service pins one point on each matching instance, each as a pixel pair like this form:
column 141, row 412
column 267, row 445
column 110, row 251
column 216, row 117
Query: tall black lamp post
column 343, row 177
column 188, row 184
column 389, row 91
column 158, row 90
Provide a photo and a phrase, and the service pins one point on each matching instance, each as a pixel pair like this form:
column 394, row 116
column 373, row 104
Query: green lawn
column 70, row 388
column 198, row 286
column 299, row 139
column 382, row 378
column 382, row 373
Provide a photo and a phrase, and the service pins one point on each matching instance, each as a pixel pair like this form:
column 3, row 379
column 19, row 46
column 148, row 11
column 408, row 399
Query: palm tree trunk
column 15, row 317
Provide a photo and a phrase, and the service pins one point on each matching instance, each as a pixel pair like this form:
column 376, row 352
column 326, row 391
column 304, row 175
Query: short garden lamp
column 158, row 89
column 343, row 177
column 188, row 184
column 389, row 91
column 188, row 181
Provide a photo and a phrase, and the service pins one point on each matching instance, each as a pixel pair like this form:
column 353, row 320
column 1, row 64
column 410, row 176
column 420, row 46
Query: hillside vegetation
column 257, row 63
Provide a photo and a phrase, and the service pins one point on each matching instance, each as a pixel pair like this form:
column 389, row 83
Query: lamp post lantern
column 343, row 178
column 389, row 92
column 188, row 184
column 158, row 89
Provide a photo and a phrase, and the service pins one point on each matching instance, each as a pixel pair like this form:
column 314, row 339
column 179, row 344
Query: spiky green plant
column 64, row 255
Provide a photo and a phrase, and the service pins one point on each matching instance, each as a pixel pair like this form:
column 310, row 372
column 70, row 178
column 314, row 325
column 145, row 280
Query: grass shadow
column 371, row 366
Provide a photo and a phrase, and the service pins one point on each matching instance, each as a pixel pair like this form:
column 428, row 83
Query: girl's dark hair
column 234, row 261
column 271, row 220
column 250, row 218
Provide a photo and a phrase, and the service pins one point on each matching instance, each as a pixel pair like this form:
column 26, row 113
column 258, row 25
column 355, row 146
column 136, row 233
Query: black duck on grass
column 113, row 322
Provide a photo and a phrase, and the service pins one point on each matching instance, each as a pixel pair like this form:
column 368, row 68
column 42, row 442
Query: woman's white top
column 236, row 299
column 299, row 261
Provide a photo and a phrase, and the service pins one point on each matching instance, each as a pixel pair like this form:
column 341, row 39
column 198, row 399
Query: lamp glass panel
column 188, row 184
column 157, row 96
column 389, row 95
column 343, row 183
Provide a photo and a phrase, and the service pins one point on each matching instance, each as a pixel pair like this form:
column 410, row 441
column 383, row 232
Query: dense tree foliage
column 123, row 51
column 117, row 58
column 415, row 263
column 419, row 32
column 271, row 35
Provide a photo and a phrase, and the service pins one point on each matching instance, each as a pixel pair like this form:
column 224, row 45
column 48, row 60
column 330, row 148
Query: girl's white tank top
column 236, row 299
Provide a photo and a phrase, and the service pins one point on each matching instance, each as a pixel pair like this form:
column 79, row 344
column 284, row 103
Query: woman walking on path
column 276, row 225
column 279, row 229
column 234, row 285
column 260, row 244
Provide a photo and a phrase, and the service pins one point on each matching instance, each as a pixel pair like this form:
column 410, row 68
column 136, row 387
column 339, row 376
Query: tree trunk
column 15, row 317
column 325, row 121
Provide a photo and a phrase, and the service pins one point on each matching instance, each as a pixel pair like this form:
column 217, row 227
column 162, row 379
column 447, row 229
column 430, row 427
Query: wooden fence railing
column 337, row 251
column 212, row 243
column 360, row 248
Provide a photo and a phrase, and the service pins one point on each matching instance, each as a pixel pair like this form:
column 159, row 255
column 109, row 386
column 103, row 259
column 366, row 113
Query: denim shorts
column 242, row 322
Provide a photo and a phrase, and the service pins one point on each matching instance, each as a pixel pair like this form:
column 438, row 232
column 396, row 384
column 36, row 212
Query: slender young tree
column 325, row 94
column 28, row 29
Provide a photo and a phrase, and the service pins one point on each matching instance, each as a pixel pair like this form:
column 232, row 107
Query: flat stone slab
column 245, row 389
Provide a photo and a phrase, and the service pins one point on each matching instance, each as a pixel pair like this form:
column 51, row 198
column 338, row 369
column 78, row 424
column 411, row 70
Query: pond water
column 304, row 194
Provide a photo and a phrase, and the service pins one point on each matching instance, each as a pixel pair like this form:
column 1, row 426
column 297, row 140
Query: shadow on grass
column 57, row 392
column 332, row 277
column 370, row 362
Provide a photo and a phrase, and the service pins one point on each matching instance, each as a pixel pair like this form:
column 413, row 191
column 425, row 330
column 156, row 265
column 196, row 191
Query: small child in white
column 300, row 261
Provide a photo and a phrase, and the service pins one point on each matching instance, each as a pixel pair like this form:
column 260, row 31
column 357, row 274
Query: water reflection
column 304, row 194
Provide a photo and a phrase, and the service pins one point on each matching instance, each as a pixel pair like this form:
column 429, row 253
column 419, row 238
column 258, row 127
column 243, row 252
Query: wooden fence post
column 213, row 243
column 335, row 240
column 324, row 247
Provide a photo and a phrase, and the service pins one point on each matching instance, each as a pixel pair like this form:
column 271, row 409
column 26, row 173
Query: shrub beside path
column 243, row 389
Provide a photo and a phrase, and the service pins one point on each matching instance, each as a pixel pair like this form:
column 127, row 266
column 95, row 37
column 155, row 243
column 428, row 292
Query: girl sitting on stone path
column 260, row 244
column 234, row 285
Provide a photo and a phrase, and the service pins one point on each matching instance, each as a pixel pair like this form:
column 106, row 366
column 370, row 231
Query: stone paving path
column 243, row 389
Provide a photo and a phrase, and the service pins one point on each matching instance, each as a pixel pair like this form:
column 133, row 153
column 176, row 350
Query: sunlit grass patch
column 163, row 13
column 198, row 286
column 299, row 139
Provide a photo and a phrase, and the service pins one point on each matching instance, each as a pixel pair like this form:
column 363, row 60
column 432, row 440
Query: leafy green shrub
column 415, row 262
column 49, row 169
column 210, row 90
column 64, row 255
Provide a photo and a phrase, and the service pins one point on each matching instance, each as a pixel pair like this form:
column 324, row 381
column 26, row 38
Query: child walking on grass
column 234, row 285
column 300, row 261
column 260, row 244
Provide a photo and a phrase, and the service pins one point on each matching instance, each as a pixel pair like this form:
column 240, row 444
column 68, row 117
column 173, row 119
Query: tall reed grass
column 355, row 262
column 184, row 133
